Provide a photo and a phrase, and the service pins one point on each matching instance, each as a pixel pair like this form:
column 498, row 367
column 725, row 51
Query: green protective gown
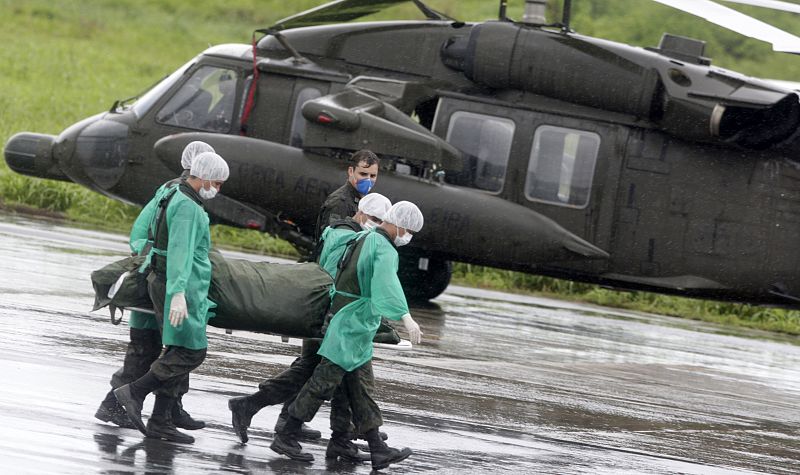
column 348, row 340
column 138, row 239
column 336, row 240
column 188, row 271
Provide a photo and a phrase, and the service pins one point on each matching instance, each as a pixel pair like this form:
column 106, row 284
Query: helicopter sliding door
column 569, row 172
column 565, row 168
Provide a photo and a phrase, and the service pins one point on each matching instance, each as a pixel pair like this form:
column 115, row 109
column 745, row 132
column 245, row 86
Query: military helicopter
column 526, row 145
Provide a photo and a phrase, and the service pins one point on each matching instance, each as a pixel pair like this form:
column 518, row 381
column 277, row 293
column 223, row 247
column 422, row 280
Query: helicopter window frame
column 226, row 102
column 297, row 130
column 247, row 84
column 567, row 170
column 476, row 181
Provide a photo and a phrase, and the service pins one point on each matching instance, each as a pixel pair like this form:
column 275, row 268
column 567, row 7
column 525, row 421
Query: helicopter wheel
column 423, row 285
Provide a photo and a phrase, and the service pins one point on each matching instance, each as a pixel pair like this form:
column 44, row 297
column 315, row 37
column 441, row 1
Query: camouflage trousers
column 330, row 381
column 172, row 367
column 284, row 388
column 144, row 348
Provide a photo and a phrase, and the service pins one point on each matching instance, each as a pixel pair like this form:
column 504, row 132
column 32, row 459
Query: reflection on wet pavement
column 502, row 384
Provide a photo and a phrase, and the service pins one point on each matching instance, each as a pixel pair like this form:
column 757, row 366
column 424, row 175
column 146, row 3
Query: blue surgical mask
column 364, row 185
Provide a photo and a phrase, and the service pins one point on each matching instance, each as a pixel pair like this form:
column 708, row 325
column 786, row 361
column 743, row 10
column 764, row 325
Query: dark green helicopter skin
column 684, row 180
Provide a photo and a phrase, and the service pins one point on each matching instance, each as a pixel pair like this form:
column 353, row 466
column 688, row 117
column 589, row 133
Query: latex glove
column 414, row 332
column 177, row 309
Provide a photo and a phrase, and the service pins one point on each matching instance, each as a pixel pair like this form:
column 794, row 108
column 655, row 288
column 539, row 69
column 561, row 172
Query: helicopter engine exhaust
column 681, row 97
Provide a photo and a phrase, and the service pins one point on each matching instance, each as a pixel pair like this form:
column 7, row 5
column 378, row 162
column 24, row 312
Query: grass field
column 65, row 60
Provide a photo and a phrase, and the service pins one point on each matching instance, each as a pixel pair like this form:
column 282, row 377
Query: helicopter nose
column 32, row 154
column 93, row 152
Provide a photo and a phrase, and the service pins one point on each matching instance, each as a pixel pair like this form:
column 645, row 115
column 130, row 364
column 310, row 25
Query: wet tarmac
column 501, row 384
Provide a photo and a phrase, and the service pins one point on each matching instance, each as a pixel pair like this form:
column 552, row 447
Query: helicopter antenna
column 503, row 7
column 566, row 15
column 430, row 13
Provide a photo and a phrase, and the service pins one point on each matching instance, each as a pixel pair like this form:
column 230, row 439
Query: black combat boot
column 381, row 454
column 242, row 412
column 160, row 425
column 365, row 447
column 131, row 396
column 305, row 433
column 182, row 419
column 341, row 446
column 111, row 411
column 285, row 441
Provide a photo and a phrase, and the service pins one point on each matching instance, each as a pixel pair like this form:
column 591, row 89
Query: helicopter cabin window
column 486, row 143
column 561, row 166
column 298, row 121
column 204, row 102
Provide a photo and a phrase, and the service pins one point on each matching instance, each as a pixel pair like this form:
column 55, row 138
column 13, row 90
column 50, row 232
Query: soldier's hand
column 414, row 332
column 177, row 309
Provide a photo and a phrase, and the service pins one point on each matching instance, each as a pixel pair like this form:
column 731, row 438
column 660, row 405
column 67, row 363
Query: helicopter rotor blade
column 738, row 22
column 771, row 4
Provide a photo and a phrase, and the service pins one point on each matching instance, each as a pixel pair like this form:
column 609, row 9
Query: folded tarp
column 284, row 299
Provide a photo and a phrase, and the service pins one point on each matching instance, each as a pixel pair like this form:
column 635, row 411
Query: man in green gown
column 145, row 332
column 339, row 207
column 178, row 284
column 366, row 288
column 284, row 387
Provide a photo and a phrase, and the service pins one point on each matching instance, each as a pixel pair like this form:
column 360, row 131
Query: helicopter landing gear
column 423, row 277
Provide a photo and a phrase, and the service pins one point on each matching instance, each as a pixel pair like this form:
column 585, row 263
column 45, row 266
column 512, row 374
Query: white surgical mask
column 402, row 240
column 369, row 225
column 207, row 194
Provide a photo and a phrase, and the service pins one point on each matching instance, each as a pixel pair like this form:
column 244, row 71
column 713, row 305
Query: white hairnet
column 375, row 204
column 210, row 166
column 193, row 150
column 406, row 215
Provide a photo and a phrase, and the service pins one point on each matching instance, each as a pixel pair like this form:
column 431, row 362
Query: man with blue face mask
column 284, row 387
column 366, row 287
column 343, row 202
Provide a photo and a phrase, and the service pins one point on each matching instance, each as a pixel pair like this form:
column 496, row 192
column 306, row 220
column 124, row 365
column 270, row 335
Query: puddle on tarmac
column 502, row 384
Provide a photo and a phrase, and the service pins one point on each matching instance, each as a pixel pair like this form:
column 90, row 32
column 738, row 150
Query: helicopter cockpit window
column 204, row 102
column 143, row 103
column 486, row 143
column 561, row 166
column 298, row 121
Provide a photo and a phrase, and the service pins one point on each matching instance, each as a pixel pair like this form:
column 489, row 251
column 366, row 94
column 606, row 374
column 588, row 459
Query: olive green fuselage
column 653, row 199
